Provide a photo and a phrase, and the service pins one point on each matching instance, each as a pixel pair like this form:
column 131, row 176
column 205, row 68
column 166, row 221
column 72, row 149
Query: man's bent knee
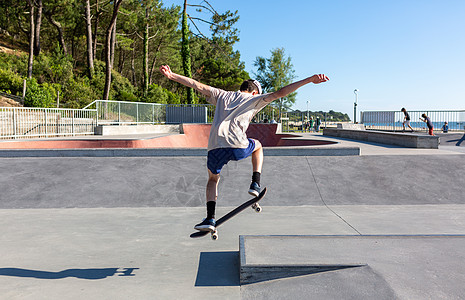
column 213, row 177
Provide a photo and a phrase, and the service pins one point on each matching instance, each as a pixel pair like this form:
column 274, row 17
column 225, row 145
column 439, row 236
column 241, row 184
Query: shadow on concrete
column 452, row 138
column 90, row 274
column 459, row 141
column 256, row 274
column 218, row 269
column 346, row 283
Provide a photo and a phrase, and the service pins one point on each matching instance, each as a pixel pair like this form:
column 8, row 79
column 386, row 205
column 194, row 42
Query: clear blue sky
column 398, row 53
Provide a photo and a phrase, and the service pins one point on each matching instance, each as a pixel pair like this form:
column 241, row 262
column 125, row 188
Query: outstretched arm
column 283, row 92
column 189, row 82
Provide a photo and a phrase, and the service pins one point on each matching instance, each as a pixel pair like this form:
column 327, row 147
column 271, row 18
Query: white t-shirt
column 234, row 111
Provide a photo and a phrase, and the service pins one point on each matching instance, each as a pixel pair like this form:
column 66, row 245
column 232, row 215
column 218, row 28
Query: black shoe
column 206, row 225
column 254, row 189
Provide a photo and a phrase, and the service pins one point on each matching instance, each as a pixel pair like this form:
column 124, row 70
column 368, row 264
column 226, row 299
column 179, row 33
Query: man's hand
column 319, row 78
column 283, row 92
column 165, row 70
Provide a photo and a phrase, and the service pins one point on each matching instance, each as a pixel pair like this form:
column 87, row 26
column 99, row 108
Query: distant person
column 406, row 119
column 317, row 124
column 445, row 127
column 311, row 124
column 428, row 122
column 228, row 139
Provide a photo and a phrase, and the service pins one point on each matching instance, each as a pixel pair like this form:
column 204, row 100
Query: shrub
column 11, row 82
column 55, row 67
column 39, row 95
column 77, row 93
column 157, row 94
column 121, row 88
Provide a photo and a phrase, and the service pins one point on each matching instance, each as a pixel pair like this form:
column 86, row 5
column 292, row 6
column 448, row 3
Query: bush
column 77, row 93
column 121, row 88
column 55, row 67
column 11, row 82
column 157, row 94
column 39, row 95
column 14, row 63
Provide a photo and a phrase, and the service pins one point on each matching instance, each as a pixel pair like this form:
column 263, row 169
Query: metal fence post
column 46, row 129
column 14, row 122
column 73, row 130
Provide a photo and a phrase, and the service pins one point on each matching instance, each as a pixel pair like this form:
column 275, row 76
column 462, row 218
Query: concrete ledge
column 172, row 152
column 311, row 151
column 386, row 266
column 136, row 129
column 350, row 126
column 390, row 138
column 252, row 272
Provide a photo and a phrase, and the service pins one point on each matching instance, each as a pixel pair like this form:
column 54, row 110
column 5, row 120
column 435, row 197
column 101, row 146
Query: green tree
column 274, row 73
column 186, row 53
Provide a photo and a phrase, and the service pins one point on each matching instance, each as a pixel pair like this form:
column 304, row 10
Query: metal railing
column 392, row 120
column 298, row 121
column 124, row 113
column 21, row 122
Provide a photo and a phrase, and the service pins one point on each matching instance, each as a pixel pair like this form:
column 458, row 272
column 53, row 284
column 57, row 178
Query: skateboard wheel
column 257, row 208
column 214, row 235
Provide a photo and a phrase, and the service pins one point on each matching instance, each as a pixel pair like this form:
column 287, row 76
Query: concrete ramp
column 352, row 267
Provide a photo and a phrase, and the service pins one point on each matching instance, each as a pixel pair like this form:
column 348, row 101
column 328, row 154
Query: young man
column 428, row 122
column 406, row 119
column 228, row 141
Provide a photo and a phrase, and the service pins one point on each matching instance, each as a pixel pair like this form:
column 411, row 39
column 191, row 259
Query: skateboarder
column 228, row 141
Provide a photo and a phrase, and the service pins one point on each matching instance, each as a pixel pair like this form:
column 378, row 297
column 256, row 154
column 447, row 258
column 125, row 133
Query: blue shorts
column 217, row 158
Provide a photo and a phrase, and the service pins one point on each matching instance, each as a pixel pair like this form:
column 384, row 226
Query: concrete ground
column 118, row 228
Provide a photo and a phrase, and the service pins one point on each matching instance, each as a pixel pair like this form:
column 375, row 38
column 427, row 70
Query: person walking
column 311, row 124
column 228, row 140
column 317, row 124
column 406, row 119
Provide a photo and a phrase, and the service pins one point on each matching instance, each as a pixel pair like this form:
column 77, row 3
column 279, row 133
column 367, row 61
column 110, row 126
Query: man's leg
column 212, row 186
column 257, row 157
column 257, row 164
column 211, row 194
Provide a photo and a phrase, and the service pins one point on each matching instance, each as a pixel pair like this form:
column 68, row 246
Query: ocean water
column 420, row 125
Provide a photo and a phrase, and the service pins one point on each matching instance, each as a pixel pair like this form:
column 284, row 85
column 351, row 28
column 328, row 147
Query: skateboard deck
column 252, row 202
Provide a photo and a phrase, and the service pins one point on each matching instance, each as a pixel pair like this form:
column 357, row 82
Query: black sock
column 211, row 209
column 256, row 177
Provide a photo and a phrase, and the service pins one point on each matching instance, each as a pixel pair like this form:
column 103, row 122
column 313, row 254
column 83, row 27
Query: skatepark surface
column 386, row 224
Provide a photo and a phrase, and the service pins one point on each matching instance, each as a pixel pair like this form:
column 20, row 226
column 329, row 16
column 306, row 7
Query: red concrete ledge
column 195, row 136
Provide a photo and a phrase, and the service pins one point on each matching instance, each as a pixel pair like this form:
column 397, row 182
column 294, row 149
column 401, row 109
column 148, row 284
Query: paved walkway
column 118, row 228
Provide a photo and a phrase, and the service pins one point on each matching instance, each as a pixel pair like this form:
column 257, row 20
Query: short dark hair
column 248, row 86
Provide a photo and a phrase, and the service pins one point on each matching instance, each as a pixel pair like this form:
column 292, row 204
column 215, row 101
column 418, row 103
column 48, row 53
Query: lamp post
column 308, row 101
column 355, row 105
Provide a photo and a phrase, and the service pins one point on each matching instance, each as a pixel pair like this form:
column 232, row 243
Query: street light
column 308, row 101
column 355, row 105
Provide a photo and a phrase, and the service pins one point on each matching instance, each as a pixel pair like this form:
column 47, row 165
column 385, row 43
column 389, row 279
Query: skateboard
column 252, row 202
